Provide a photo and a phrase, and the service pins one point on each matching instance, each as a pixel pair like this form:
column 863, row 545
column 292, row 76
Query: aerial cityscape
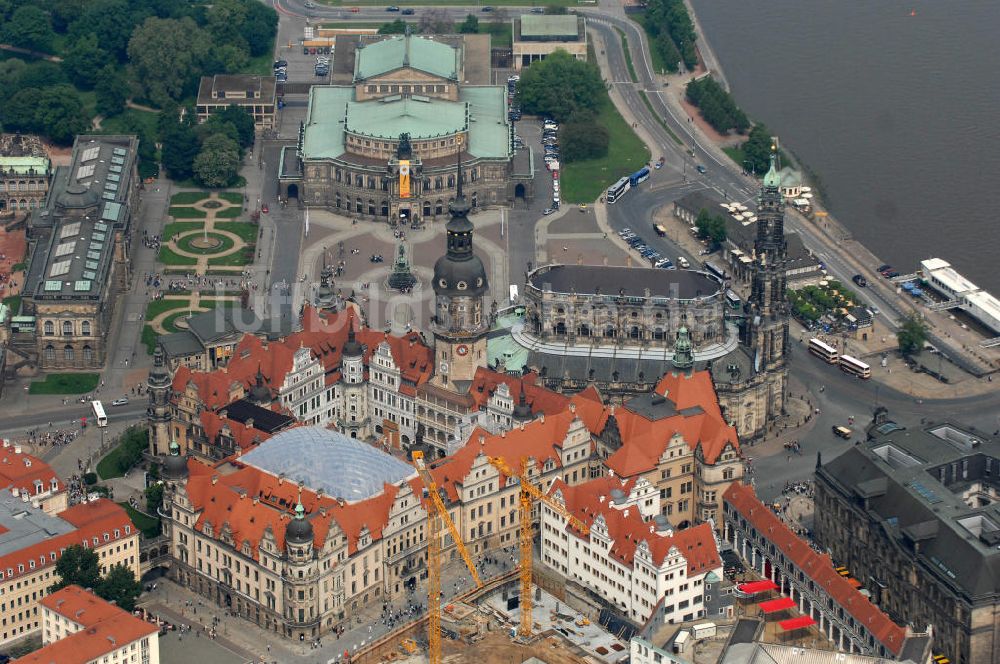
column 337, row 332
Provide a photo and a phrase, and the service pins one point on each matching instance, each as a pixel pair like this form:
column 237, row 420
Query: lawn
column 242, row 257
column 188, row 197
column 628, row 55
column 186, row 243
column 231, row 197
column 736, row 154
column 585, row 181
column 229, row 213
column 176, row 227
column 501, row 34
column 183, row 212
column 124, row 122
column 169, row 257
column 157, row 307
column 659, row 66
column 248, row 232
column 65, row 383
column 149, row 526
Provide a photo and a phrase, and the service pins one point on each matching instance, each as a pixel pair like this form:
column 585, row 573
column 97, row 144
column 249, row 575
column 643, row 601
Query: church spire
column 771, row 179
column 683, row 356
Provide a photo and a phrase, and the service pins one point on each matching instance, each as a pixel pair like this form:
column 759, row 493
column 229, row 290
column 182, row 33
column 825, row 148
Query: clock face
column 462, row 350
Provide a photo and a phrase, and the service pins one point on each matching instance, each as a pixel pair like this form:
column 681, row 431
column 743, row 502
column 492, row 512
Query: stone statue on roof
column 405, row 150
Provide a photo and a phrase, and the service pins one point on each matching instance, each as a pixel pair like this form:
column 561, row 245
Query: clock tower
column 460, row 321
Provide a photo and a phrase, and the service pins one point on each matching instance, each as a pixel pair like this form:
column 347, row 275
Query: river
column 892, row 105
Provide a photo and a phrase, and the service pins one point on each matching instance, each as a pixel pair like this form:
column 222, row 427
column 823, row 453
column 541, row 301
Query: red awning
column 754, row 587
column 780, row 604
column 796, row 623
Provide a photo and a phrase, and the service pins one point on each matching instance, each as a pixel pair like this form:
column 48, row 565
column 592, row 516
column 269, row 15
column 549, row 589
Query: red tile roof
column 250, row 502
column 324, row 335
column 539, row 398
column 20, row 471
column 817, row 566
column 104, row 628
column 627, row 528
column 93, row 519
column 245, row 437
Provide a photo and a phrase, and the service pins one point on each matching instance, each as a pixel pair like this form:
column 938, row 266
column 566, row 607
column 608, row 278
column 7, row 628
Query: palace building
column 25, row 172
column 385, row 146
column 80, row 257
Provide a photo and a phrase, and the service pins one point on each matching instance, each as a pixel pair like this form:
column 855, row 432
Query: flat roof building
column 254, row 94
column 537, row 36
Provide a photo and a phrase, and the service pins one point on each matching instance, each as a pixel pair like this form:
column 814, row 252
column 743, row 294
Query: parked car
column 392, row 8
column 487, row 8
column 859, row 280
column 408, row 11
column 309, row 4
column 547, row 211
column 280, row 63
column 120, row 402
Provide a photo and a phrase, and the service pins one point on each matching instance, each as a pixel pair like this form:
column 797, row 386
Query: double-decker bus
column 99, row 414
column 824, row 351
column 639, row 176
column 618, row 189
column 855, row 367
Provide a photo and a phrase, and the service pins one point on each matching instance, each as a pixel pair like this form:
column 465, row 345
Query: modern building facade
column 253, row 94
column 537, row 36
column 913, row 513
column 31, row 542
column 79, row 626
column 80, row 256
column 25, row 174
column 385, row 147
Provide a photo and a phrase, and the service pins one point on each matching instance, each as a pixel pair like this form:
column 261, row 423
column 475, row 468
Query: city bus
column 824, row 351
column 618, row 189
column 733, row 300
column 715, row 270
column 639, row 177
column 99, row 414
column 855, row 367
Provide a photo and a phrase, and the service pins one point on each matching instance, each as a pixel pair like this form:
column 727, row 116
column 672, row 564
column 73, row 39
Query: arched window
column 560, row 328
column 385, row 208
column 658, row 334
column 338, row 175
column 371, row 182
column 67, row 328
column 385, row 184
column 451, row 181
column 85, row 328
column 49, row 328
column 359, row 181
column 50, row 353
column 583, row 330
column 338, row 200
column 371, row 206
column 427, row 208
column 437, row 183
column 609, row 332
column 635, row 333
column 438, row 207
column 88, row 354
column 359, row 206
column 68, row 353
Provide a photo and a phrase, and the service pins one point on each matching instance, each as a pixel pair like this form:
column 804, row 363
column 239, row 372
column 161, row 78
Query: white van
column 683, row 263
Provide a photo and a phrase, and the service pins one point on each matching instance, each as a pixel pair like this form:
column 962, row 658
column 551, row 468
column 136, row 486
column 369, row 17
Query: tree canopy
column 470, row 25
column 29, row 27
column 671, row 26
column 717, row 106
column 218, row 162
column 79, row 566
column 163, row 52
column 397, row 27
column 912, row 335
column 84, row 60
column 560, row 86
column 711, row 227
column 120, row 586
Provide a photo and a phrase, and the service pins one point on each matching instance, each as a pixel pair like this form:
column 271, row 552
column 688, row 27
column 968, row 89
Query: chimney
column 215, row 480
column 281, row 479
column 503, row 434
column 601, row 500
column 542, row 418
column 522, row 425
column 256, row 500
column 482, row 440
column 249, row 423
column 625, row 513
column 572, row 407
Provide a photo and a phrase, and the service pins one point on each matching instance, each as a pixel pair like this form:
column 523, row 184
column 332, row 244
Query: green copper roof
column 772, row 179
column 420, row 53
column 420, row 117
column 500, row 345
column 25, row 165
column 486, row 106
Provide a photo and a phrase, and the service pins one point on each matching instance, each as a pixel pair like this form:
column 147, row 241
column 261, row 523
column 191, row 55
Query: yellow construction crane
column 434, row 519
column 530, row 492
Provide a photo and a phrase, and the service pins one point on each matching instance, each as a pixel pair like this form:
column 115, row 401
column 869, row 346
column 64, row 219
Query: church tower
column 460, row 321
column 158, row 414
column 765, row 329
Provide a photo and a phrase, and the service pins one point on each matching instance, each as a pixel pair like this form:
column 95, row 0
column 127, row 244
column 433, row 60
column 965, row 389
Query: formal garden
column 198, row 242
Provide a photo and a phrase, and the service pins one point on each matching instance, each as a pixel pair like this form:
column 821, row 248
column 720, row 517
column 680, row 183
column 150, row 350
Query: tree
column 397, row 27
column 120, row 586
column 260, row 28
column 583, row 139
column 154, row 498
column 711, row 227
column 59, row 114
column 434, row 21
column 111, row 20
column 41, row 74
column 560, row 86
column 179, row 147
column 218, row 162
column 239, row 119
column 29, row 27
column 470, row 25
column 224, row 58
column 65, row 12
column 111, row 90
column 757, row 149
column 167, row 55
column 79, row 566
column 84, row 59
column 912, row 335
